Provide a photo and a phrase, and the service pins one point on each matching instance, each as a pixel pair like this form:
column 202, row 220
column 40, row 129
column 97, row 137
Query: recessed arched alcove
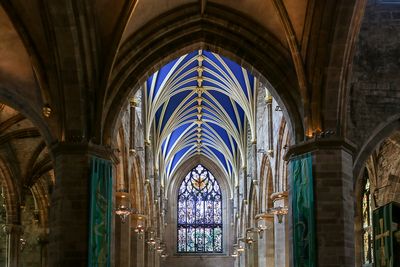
column 177, row 258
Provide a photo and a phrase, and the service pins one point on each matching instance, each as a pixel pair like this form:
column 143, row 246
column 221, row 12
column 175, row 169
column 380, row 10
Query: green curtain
column 383, row 241
column 300, row 176
column 100, row 213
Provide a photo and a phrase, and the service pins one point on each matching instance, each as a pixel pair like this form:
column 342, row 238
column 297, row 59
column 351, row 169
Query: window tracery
column 199, row 226
column 367, row 224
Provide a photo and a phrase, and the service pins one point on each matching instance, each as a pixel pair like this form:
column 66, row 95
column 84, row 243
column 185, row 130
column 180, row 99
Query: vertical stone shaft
column 13, row 235
column 132, row 123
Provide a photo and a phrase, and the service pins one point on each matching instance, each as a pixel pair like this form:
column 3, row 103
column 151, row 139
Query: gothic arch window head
column 199, row 227
column 367, row 222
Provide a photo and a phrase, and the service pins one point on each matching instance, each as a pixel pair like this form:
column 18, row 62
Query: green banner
column 383, row 241
column 300, row 176
column 100, row 213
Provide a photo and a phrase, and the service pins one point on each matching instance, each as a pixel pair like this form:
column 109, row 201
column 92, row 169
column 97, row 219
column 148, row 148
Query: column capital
column 81, row 148
column 133, row 102
column 315, row 144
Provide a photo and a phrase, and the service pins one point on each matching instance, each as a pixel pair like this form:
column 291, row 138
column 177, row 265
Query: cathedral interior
column 201, row 133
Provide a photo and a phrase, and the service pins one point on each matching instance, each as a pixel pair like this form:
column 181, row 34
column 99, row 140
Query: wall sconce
column 279, row 212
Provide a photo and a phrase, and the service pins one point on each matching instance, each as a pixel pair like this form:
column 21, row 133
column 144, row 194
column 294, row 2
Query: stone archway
column 199, row 260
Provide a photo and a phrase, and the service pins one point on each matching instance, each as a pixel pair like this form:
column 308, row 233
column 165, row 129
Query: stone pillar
column 254, row 175
column 122, row 233
column 69, row 213
column 13, row 235
column 137, row 254
column 266, row 248
column 150, row 248
column 43, row 243
column 137, row 249
column 280, row 199
column 332, row 164
column 245, row 182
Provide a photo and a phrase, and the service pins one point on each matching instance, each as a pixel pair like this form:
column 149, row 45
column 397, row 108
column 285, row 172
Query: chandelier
column 123, row 211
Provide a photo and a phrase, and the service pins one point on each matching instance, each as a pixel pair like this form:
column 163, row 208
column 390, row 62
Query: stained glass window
column 199, row 213
column 367, row 224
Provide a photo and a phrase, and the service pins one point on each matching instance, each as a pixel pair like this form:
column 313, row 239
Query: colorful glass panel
column 199, row 213
column 367, row 224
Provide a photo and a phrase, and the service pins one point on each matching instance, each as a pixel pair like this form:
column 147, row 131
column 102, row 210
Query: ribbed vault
column 201, row 104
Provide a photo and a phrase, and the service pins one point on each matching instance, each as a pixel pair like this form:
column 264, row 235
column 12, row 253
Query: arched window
column 367, row 223
column 199, row 213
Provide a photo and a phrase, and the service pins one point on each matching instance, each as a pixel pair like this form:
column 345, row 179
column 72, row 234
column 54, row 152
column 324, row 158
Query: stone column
column 280, row 199
column 43, row 243
column 254, row 175
column 332, row 163
column 150, row 249
column 137, row 254
column 69, row 212
column 268, row 100
column 245, row 182
column 266, row 248
column 13, row 235
column 122, row 233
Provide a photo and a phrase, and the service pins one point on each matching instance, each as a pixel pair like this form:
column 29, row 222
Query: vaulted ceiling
column 201, row 103
column 75, row 55
column 25, row 163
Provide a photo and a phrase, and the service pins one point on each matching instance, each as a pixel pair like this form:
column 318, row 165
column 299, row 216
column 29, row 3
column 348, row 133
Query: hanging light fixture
column 123, row 209
column 123, row 212
column 151, row 241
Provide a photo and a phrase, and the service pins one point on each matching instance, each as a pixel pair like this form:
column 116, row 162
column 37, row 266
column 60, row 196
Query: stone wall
column 384, row 171
column 375, row 88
